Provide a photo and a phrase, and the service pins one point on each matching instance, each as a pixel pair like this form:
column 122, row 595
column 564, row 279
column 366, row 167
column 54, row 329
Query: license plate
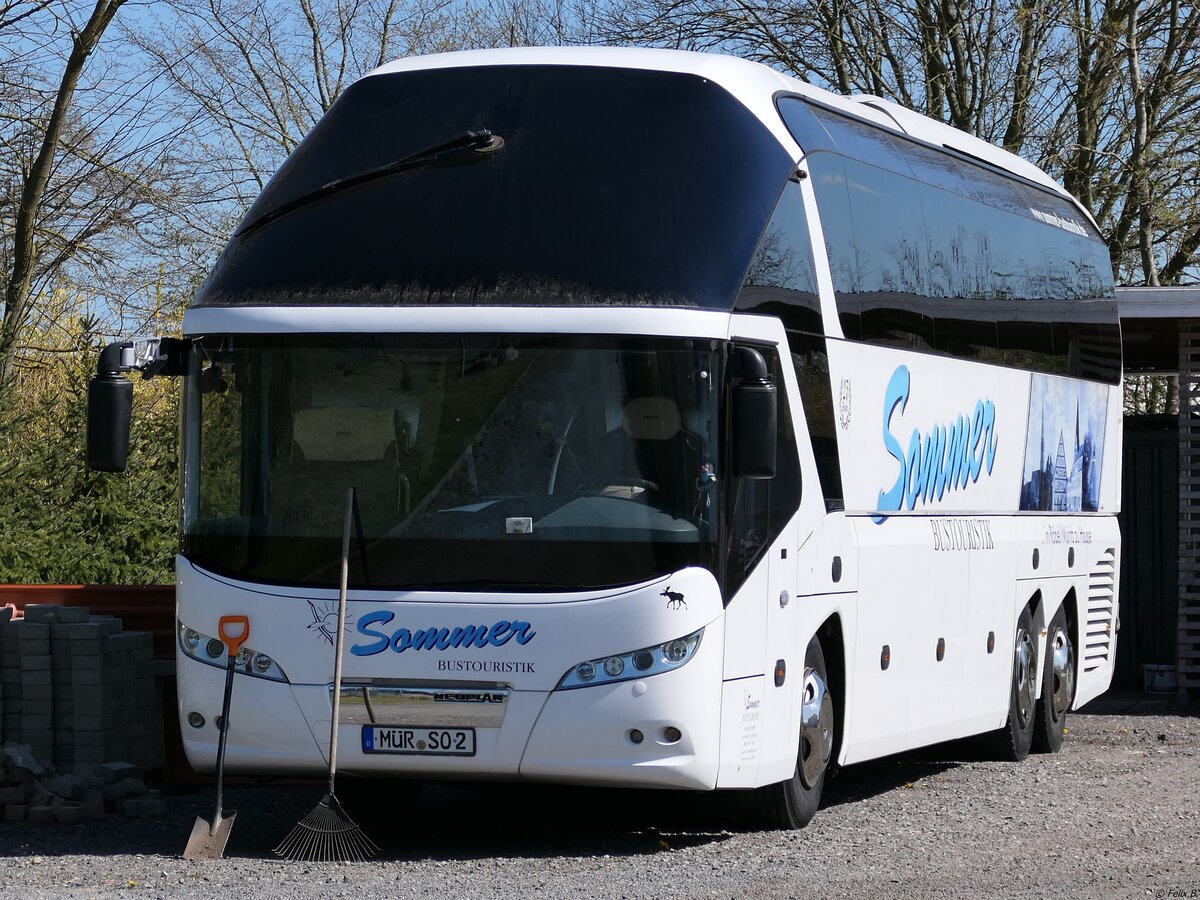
column 418, row 741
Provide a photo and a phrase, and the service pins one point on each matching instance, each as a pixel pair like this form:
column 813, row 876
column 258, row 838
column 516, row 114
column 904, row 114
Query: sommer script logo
column 942, row 459
column 435, row 638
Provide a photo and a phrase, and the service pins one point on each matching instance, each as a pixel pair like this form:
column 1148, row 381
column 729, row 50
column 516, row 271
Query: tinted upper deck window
column 932, row 252
column 613, row 186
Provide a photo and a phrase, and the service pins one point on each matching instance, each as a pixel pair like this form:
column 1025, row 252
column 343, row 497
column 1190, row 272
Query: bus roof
column 753, row 84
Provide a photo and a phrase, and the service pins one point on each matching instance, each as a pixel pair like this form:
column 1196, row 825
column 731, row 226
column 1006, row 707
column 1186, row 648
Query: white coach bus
column 708, row 430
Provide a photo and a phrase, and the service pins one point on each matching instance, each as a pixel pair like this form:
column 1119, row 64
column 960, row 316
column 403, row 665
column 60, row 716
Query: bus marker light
column 1036, row 557
column 941, row 649
column 885, row 657
column 636, row 736
column 780, row 672
column 991, row 645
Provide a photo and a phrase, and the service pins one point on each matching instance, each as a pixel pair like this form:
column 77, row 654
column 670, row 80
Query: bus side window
column 760, row 508
column 816, row 394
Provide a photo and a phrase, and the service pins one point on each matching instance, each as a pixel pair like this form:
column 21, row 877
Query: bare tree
column 1104, row 94
column 255, row 76
column 35, row 179
column 89, row 185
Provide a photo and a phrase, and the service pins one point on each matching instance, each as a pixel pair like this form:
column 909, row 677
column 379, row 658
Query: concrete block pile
column 30, row 793
column 78, row 689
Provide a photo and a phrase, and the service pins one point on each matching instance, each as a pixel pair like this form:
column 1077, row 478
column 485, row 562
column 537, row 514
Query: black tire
column 1058, row 687
column 1012, row 742
column 792, row 803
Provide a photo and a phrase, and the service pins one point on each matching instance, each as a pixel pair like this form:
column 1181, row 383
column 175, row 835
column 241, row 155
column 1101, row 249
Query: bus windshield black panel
column 513, row 186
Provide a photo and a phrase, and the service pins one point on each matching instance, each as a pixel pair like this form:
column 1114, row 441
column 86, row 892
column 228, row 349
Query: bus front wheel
column 792, row 803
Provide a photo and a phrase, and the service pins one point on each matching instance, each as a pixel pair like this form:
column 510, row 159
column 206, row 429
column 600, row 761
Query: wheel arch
column 833, row 646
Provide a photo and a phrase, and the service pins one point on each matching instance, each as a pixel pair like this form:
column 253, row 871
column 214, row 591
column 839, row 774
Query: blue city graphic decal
column 945, row 458
column 1064, row 448
column 435, row 638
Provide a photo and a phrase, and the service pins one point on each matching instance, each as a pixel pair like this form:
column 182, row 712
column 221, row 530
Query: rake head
column 327, row 834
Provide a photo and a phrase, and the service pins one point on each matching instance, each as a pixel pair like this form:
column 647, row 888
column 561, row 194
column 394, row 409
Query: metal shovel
column 208, row 839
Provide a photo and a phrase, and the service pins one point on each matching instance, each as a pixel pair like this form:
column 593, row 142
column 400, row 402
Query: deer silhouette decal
column 674, row 599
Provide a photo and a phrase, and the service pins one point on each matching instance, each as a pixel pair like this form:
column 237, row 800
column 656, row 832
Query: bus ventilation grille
column 1101, row 601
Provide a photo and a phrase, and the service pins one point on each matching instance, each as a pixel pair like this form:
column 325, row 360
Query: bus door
column 770, row 520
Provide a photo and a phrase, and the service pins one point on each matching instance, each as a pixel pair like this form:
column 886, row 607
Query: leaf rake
column 328, row 834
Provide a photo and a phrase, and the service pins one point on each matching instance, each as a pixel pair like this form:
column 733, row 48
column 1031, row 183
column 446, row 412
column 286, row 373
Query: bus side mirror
column 755, row 416
column 109, row 411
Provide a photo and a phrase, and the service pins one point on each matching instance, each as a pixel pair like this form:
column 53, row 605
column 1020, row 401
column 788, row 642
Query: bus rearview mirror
column 755, row 417
column 109, row 413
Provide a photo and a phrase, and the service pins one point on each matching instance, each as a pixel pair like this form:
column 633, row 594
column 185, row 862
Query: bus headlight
column 210, row 651
column 641, row 663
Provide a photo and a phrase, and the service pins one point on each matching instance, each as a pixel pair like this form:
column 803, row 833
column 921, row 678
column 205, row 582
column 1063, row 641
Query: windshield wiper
column 468, row 146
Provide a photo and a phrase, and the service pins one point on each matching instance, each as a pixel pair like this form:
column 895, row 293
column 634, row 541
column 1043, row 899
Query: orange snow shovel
column 208, row 839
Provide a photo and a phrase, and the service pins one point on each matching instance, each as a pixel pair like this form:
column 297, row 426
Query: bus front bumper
column 661, row 731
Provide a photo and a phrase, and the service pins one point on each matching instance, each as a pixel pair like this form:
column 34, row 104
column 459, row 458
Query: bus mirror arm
column 755, row 415
column 110, row 395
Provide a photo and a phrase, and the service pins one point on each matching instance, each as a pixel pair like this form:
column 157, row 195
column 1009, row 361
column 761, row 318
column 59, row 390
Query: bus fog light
column 586, row 671
column 643, row 659
column 671, row 735
column 636, row 736
column 675, row 651
column 614, row 666
column 214, row 648
column 195, row 719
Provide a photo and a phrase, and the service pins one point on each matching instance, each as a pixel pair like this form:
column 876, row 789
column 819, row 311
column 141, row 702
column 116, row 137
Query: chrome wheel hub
column 1062, row 661
column 1023, row 675
column 816, row 728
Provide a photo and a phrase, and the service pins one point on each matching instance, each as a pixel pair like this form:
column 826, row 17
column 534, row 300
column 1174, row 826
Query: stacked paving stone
column 78, row 689
column 10, row 676
column 29, row 794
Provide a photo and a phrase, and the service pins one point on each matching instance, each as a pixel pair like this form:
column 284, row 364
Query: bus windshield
column 527, row 461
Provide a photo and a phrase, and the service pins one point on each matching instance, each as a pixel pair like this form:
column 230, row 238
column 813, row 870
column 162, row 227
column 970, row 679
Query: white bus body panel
column 578, row 735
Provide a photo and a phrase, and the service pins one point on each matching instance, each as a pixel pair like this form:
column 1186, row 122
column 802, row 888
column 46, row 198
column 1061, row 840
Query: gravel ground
column 1115, row 814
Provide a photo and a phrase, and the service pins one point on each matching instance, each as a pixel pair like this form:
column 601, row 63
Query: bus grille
column 1097, row 641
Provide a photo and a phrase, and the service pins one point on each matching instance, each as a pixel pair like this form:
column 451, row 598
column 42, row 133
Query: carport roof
column 1150, row 318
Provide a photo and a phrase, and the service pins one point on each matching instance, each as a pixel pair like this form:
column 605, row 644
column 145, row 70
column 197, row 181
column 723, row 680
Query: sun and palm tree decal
column 325, row 618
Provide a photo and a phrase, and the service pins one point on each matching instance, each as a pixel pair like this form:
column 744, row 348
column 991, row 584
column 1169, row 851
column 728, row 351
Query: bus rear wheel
column 1012, row 742
column 793, row 803
column 1058, row 687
